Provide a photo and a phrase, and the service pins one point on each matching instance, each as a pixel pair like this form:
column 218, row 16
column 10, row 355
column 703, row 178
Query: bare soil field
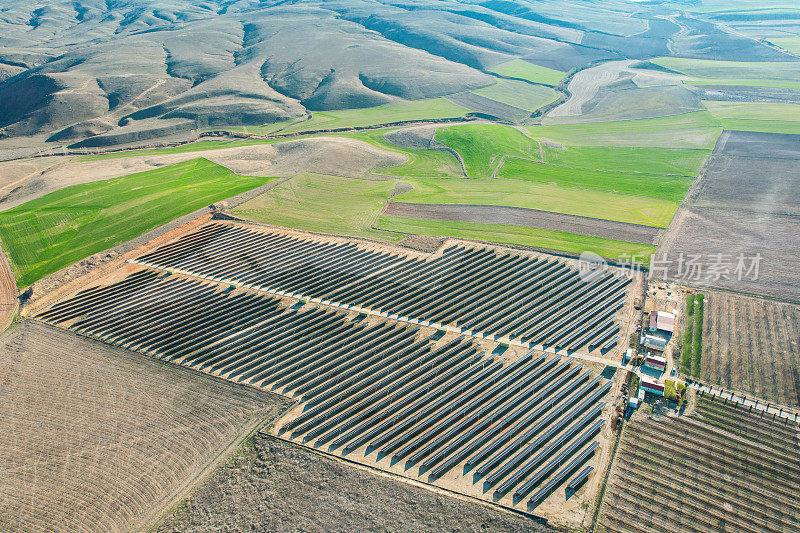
column 487, row 106
column 721, row 469
column 272, row 485
column 336, row 156
column 752, row 346
column 417, row 137
column 96, row 438
column 519, row 216
column 745, row 203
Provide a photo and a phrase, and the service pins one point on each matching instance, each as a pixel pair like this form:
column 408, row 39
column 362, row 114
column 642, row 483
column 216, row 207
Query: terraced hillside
column 721, row 469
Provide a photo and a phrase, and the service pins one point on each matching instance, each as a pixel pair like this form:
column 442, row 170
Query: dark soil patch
column 520, row 216
column 487, row 106
column 745, row 203
column 757, row 144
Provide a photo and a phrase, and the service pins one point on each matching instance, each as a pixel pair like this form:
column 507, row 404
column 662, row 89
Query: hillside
column 92, row 73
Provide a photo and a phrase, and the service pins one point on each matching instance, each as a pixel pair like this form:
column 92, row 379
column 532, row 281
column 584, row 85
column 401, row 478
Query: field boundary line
column 9, row 295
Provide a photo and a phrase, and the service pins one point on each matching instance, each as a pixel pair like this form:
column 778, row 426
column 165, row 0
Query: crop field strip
column 482, row 291
column 723, row 469
column 528, row 423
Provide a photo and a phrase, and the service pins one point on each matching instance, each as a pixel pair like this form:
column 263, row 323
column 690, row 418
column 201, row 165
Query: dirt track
column 8, row 292
column 98, row 438
column 275, row 486
column 519, row 216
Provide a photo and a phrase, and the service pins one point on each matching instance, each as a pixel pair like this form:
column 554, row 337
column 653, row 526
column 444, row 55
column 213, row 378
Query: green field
column 435, row 108
column 757, row 116
column 791, row 44
column 551, row 240
column 711, row 72
column 657, row 186
column 481, row 146
column 47, row 234
column 543, row 196
column 325, row 204
column 519, row 68
column 698, row 129
column 519, row 94
column 624, row 159
column 421, row 163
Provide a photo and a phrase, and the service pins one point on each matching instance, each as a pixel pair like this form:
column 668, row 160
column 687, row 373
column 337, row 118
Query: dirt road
column 8, row 292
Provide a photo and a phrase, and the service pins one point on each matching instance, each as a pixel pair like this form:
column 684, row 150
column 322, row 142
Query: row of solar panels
column 303, row 351
column 542, row 302
column 363, row 385
column 512, row 425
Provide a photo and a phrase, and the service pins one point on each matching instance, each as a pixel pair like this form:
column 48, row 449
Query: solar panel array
column 303, row 352
column 378, row 389
column 507, row 295
column 518, row 427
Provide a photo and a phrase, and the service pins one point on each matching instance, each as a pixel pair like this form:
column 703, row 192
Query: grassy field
column 698, row 129
column 710, row 72
column 421, row 163
column 624, row 159
column 792, row 44
column 526, row 236
column 692, row 351
column 481, row 146
column 757, row 116
column 60, row 228
column 436, row 108
column 665, row 187
column 522, row 69
column 519, row 94
column 326, row 204
column 544, row 196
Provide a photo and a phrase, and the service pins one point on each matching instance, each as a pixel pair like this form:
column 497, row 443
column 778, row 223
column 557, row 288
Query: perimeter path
column 9, row 295
column 746, row 402
column 299, row 296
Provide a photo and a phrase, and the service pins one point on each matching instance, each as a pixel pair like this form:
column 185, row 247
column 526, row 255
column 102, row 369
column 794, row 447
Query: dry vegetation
column 276, row 486
column 722, row 469
column 753, row 346
column 98, row 438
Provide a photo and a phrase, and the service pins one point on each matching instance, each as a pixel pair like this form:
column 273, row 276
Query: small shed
column 665, row 321
column 633, row 402
column 655, row 342
column 652, row 386
column 655, row 362
column 627, row 356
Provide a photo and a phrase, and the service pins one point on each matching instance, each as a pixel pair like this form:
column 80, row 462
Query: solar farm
column 467, row 369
